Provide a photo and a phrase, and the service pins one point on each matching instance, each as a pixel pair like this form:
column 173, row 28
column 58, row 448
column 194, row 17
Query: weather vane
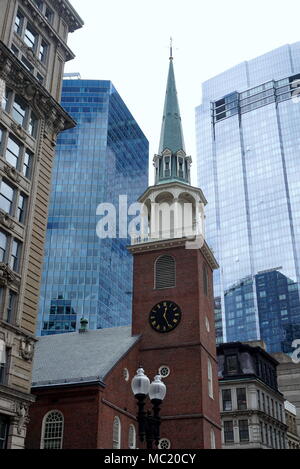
column 171, row 47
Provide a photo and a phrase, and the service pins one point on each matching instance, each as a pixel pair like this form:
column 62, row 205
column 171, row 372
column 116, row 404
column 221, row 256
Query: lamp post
column 149, row 423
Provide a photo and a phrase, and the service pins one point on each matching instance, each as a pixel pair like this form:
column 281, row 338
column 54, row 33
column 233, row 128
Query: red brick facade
column 188, row 412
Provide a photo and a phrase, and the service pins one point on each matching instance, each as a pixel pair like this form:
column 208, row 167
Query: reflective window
column 13, row 152
column 3, row 244
column 6, row 197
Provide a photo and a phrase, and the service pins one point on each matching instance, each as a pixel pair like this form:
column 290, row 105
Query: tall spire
column 171, row 131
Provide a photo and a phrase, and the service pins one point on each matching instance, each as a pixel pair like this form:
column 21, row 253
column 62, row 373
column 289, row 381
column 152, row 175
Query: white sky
column 127, row 42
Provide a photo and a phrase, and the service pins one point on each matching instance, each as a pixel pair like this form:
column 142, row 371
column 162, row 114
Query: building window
column 164, row 443
column 116, row 433
column 19, row 23
column 52, row 434
column 4, row 427
column 3, row 246
column 10, row 312
column 227, row 401
column 13, row 152
column 43, row 52
column 280, row 413
column 27, row 64
column 6, row 197
column 241, row 396
column 30, row 37
column 266, row 434
column 180, row 167
column 27, row 164
column 19, row 110
column 271, row 436
column 32, row 125
column 5, row 365
column 165, row 272
column 15, row 255
column 212, row 439
column 167, row 166
column 5, row 96
column 262, row 439
column 164, row 371
column 210, row 379
column 49, row 14
column 243, row 430
column 21, row 210
column 132, row 437
column 228, row 431
column 3, row 358
column 232, row 365
column 268, row 405
column 39, row 4
column 258, row 400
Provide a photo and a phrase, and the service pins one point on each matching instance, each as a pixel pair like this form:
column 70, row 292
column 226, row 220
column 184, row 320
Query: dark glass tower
column 105, row 157
column 248, row 138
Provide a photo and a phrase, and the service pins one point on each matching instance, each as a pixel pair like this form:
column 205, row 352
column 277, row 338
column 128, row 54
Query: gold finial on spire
column 171, row 48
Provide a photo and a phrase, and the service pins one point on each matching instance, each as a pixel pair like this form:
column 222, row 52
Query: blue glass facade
column 248, row 148
column 104, row 157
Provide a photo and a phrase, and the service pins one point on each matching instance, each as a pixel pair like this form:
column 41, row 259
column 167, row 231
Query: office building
column 248, row 145
column 103, row 158
column 33, row 50
column 252, row 407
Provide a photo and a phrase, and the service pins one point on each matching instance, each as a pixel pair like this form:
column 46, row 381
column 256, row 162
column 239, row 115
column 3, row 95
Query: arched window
column 212, row 439
column 52, row 430
column 117, row 433
column 165, row 272
column 210, row 379
column 132, row 437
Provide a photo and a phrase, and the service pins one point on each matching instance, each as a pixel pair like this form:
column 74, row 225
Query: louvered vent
column 165, row 272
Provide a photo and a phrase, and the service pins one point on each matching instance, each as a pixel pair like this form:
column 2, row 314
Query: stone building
column 288, row 372
column 252, row 407
column 33, row 50
column 293, row 440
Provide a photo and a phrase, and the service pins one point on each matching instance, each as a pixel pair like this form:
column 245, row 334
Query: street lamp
column 149, row 425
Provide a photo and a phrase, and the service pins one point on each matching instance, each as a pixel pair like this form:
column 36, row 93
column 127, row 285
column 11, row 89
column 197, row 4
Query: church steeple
column 171, row 163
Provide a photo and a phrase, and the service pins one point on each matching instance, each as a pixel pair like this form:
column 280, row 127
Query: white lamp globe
column 157, row 389
column 140, row 383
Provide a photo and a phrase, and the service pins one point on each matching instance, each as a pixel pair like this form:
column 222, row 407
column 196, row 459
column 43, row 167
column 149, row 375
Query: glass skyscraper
column 104, row 157
column 248, row 149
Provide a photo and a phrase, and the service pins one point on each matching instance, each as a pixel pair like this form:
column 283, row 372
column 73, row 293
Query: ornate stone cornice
column 157, row 245
column 26, row 85
column 6, row 221
column 67, row 12
column 7, row 276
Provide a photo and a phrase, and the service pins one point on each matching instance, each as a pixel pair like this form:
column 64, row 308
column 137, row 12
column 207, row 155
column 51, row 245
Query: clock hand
column 165, row 317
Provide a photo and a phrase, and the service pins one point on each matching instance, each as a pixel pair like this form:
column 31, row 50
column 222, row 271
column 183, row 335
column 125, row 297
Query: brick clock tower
column 173, row 307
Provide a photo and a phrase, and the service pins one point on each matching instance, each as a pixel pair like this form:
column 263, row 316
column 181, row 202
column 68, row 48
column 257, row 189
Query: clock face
column 165, row 316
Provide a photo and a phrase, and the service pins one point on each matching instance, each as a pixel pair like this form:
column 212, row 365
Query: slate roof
column 79, row 357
